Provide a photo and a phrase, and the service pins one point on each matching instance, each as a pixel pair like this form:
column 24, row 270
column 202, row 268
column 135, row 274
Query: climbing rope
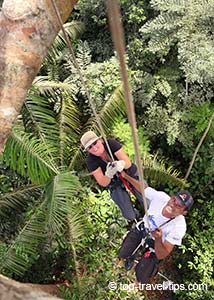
column 118, row 40
column 76, row 64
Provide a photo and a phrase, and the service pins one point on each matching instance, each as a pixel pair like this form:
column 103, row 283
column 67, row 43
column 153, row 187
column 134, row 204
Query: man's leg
column 147, row 267
column 130, row 243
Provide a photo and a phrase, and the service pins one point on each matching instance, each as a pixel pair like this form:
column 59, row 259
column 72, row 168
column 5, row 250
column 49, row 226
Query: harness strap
column 126, row 184
column 155, row 225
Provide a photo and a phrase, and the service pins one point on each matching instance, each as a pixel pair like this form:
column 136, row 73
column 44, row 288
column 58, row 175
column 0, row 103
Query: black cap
column 185, row 198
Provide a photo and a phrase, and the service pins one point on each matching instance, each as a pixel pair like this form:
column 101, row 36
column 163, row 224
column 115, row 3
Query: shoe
column 129, row 262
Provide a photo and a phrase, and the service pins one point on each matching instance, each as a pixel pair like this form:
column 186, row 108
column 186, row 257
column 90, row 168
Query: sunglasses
column 93, row 144
column 176, row 203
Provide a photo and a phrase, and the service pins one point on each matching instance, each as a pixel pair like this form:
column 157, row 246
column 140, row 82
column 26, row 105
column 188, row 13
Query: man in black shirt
column 105, row 171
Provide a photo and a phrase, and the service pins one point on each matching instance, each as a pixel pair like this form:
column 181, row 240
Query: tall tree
column 28, row 28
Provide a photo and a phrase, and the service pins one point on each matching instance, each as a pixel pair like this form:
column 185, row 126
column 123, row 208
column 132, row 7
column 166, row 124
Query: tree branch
column 198, row 147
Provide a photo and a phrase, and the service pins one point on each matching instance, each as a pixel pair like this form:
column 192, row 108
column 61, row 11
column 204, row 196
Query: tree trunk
column 13, row 290
column 27, row 30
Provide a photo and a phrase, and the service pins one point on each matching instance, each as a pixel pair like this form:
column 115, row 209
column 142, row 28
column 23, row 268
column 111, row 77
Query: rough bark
column 27, row 30
column 13, row 290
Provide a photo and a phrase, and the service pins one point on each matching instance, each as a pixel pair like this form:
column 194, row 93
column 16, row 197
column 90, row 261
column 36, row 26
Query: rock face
column 12, row 290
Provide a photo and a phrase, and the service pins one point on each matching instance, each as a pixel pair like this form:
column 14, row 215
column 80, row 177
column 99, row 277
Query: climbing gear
column 114, row 167
column 147, row 267
column 119, row 44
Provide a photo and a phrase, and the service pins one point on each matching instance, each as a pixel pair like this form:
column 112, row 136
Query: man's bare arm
column 133, row 181
column 162, row 249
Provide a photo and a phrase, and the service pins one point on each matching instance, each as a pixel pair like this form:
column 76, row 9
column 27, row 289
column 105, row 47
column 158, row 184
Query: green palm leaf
column 28, row 156
column 69, row 126
column 108, row 115
column 157, row 171
column 112, row 109
column 24, row 249
column 39, row 118
column 47, row 87
column 73, row 29
column 50, row 218
column 59, row 193
column 17, row 199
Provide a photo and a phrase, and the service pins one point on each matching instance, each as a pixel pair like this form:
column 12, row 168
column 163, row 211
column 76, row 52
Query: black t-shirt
column 93, row 162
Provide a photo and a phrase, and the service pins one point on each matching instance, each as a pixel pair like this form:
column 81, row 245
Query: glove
column 114, row 167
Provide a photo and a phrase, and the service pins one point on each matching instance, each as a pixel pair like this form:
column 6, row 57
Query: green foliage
column 93, row 14
column 99, row 264
column 200, row 116
column 155, row 170
column 122, row 131
column 101, row 79
column 17, row 199
column 44, row 148
column 196, row 262
column 164, row 120
column 55, row 55
column 48, row 219
column 188, row 25
column 28, row 156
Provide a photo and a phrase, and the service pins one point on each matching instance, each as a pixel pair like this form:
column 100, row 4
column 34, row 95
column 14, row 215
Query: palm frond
column 59, row 193
column 108, row 115
column 77, row 158
column 69, row 126
column 50, row 218
column 156, row 170
column 29, row 157
column 76, row 227
column 39, row 119
column 25, row 248
column 111, row 110
column 47, row 87
column 17, row 199
column 73, row 29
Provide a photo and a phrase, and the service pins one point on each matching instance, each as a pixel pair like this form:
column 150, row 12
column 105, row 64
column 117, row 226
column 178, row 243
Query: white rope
column 118, row 40
column 117, row 35
column 75, row 62
column 163, row 276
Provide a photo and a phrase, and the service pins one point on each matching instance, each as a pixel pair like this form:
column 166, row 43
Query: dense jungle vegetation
column 56, row 224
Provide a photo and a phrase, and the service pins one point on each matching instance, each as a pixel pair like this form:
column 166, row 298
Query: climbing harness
column 126, row 184
column 148, row 262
